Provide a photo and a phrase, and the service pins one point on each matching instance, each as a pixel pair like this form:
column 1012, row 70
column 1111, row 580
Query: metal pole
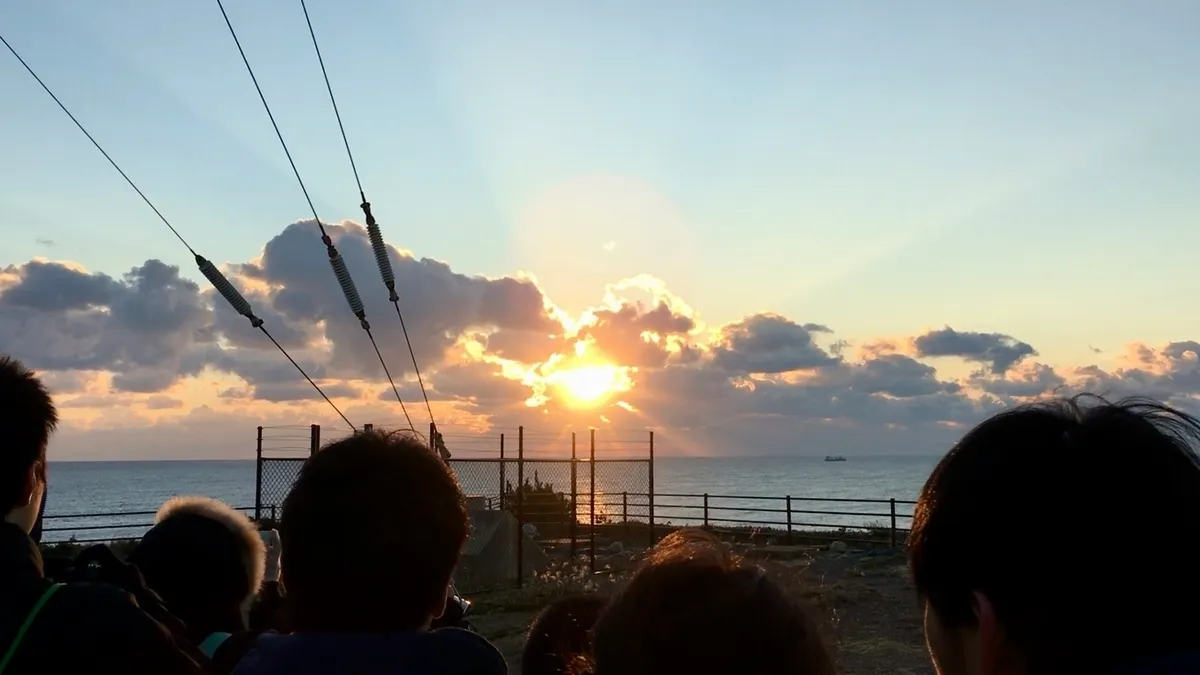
column 314, row 439
column 258, row 477
column 789, row 519
column 892, row 503
column 592, row 505
column 520, row 506
column 650, row 497
column 503, row 486
column 574, row 500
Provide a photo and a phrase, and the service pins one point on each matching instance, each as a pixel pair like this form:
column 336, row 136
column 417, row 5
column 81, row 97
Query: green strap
column 37, row 608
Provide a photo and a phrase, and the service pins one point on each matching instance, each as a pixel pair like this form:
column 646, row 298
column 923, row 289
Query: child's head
column 205, row 560
column 693, row 609
column 561, row 635
column 371, row 532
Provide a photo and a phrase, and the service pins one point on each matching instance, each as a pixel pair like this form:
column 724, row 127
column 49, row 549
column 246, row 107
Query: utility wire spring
column 227, row 290
column 382, row 259
column 347, row 283
column 209, row 270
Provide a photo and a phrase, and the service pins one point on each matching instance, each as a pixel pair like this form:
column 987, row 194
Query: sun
column 589, row 385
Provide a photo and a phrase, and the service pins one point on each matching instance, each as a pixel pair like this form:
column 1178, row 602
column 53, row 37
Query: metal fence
column 554, row 484
column 575, row 495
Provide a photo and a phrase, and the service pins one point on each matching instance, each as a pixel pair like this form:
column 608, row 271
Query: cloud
column 996, row 350
column 151, row 349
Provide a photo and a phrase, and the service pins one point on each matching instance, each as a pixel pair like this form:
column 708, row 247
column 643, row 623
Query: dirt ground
column 871, row 612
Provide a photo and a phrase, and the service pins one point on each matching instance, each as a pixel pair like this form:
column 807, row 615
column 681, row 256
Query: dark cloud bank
column 767, row 384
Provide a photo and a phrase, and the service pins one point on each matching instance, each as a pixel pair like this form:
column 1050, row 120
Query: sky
column 756, row 228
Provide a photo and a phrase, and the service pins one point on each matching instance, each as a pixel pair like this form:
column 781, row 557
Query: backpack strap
column 212, row 643
column 29, row 619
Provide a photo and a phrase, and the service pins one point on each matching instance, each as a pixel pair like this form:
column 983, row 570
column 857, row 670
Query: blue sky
column 876, row 167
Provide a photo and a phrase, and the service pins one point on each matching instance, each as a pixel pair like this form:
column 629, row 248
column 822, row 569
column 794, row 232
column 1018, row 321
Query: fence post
column 650, row 496
column 625, row 513
column 892, row 503
column 520, row 506
column 706, row 510
column 789, row 519
column 503, row 484
column 574, row 500
column 592, row 506
column 368, row 427
column 314, row 439
column 258, row 478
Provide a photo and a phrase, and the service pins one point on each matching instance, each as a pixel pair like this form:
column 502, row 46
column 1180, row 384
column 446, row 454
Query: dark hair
column 1022, row 508
column 693, row 609
column 561, row 635
column 28, row 417
column 371, row 532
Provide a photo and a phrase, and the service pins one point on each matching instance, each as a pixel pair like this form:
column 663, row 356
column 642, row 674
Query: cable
column 329, row 88
column 382, row 259
column 102, row 152
column 224, row 287
column 340, row 270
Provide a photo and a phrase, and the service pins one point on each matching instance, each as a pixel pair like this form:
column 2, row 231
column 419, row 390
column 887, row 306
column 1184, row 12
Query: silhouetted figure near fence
column 61, row 628
column 1052, row 539
column 371, row 530
column 207, row 561
column 692, row 609
column 559, row 642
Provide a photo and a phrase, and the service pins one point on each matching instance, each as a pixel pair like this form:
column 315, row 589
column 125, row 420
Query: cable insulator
column 347, row 283
column 227, row 290
column 382, row 259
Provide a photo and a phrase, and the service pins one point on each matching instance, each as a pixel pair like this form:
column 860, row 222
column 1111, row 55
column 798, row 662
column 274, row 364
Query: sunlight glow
column 588, row 385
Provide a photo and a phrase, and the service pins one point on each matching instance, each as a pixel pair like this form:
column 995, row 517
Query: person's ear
column 32, row 483
column 436, row 613
column 991, row 635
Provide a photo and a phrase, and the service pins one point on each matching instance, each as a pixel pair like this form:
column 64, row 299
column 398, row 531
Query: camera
column 455, row 616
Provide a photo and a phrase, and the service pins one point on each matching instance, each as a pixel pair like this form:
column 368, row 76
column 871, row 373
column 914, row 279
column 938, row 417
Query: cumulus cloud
column 151, row 345
column 996, row 350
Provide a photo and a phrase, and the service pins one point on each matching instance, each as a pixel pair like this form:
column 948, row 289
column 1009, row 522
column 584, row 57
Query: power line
column 340, row 270
column 224, row 287
column 98, row 147
column 382, row 259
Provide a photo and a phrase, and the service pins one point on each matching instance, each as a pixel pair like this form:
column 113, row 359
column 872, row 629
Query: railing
column 102, row 527
column 791, row 518
column 582, row 527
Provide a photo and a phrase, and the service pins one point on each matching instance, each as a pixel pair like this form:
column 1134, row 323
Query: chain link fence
column 572, row 494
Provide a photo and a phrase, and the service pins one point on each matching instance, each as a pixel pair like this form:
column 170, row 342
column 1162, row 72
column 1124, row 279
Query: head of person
column 205, row 560
column 371, row 533
column 693, row 609
column 559, row 642
column 1022, row 536
column 28, row 418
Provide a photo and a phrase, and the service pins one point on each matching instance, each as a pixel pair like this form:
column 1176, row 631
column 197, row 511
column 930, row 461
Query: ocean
column 107, row 500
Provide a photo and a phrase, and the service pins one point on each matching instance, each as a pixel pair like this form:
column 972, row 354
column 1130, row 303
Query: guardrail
column 583, row 524
column 115, row 526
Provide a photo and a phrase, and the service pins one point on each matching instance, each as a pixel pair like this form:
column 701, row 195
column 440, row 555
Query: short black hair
column 1038, row 507
column 693, row 609
column 371, row 533
column 559, row 641
column 28, row 418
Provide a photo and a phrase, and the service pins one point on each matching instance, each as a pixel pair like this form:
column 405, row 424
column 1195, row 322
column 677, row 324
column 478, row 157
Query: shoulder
column 467, row 646
column 110, row 611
